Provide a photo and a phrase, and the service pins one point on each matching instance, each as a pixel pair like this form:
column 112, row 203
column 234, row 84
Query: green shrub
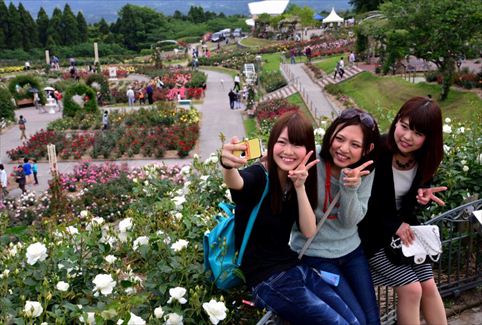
column 198, row 80
column 7, row 107
column 25, row 82
column 102, row 81
column 272, row 81
column 71, row 108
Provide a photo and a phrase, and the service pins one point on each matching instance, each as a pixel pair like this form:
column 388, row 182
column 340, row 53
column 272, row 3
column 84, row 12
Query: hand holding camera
column 236, row 153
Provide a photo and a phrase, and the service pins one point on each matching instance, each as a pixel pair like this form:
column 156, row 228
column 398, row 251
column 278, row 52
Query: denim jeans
column 300, row 296
column 355, row 287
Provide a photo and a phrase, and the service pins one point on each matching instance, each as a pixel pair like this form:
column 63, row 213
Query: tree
column 70, row 30
column 440, row 31
column 365, row 5
column 42, row 26
column 82, row 27
column 137, row 24
column 3, row 25
column 305, row 14
column 14, row 35
column 55, row 29
column 196, row 14
column 29, row 29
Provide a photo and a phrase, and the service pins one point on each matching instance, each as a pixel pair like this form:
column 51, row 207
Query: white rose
column 33, row 309
column 62, row 286
column 104, row 283
column 177, row 293
column 44, row 323
column 125, row 225
column 71, row 230
column 178, row 215
column 90, row 318
column 173, row 319
column 465, row 168
column 110, row 259
column 178, row 201
column 215, row 310
column 135, row 320
column 179, row 245
column 13, row 251
column 447, row 129
column 212, row 159
column 36, row 252
column 84, row 214
column 461, row 129
column 447, row 120
column 143, row 240
column 319, row 131
column 158, row 312
column 185, row 169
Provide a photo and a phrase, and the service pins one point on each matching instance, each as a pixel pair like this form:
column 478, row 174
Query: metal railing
column 459, row 268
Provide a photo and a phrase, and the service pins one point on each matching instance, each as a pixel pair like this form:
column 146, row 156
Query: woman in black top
column 278, row 280
column 409, row 156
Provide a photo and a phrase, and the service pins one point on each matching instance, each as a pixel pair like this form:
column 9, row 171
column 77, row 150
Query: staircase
column 349, row 72
column 280, row 93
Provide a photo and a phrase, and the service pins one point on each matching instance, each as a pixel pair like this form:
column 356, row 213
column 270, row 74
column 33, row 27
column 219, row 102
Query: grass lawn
column 297, row 100
column 328, row 64
column 271, row 62
column 379, row 95
column 256, row 42
column 250, row 127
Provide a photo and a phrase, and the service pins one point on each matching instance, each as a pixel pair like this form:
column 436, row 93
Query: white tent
column 270, row 7
column 333, row 18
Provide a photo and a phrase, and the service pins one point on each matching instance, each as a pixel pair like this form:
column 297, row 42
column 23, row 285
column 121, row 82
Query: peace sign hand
column 426, row 194
column 299, row 175
column 352, row 177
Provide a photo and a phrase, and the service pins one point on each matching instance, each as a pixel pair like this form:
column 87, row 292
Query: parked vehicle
column 217, row 37
column 226, row 32
column 238, row 32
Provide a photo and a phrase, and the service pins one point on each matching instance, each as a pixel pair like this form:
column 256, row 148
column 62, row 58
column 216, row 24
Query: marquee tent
column 269, row 7
column 318, row 17
column 333, row 18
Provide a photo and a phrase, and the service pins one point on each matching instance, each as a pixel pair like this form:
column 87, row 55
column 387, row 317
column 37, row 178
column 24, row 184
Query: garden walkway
column 216, row 118
column 311, row 92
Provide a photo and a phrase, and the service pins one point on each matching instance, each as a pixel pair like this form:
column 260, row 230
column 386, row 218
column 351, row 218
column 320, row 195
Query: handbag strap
column 320, row 223
column 252, row 219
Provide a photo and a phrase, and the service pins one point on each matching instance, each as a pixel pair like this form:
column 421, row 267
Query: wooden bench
column 24, row 101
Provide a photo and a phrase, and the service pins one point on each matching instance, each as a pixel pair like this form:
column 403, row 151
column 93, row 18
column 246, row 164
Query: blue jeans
column 355, row 287
column 300, row 296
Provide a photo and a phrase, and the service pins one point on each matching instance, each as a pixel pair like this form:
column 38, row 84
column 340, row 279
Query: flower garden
column 145, row 133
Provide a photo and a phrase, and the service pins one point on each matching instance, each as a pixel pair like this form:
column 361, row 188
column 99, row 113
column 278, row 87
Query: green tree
column 3, row 25
column 305, row 14
column 365, row 5
column 29, row 29
column 440, row 31
column 82, row 27
column 55, row 29
column 196, row 14
column 14, row 35
column 137, row 25
column 42, row 26
column 70, row 30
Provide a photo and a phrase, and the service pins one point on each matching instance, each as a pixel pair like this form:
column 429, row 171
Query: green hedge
column 26, row 82
column 272, row 81
column 102, row 81
column 71, row 108
column 7, row 108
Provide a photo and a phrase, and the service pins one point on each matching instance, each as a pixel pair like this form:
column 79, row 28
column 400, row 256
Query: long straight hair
column 300, row 132
column 424, row 116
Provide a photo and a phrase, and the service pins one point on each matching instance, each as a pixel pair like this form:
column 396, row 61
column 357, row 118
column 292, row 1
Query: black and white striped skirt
column 386, row 273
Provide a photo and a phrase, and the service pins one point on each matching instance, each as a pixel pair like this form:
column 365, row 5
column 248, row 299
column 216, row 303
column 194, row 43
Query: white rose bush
column 135, row 263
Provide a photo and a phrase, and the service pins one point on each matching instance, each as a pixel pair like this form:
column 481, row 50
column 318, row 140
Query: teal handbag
column 220, row 256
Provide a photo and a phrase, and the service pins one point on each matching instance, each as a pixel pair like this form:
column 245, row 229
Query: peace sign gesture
column 352, row 177
column 298, row 176
column 424, row 195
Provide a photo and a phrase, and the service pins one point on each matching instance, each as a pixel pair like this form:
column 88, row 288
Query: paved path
column 216, row 118
column 311, row 92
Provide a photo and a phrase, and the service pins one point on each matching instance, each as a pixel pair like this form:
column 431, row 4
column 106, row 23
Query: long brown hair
column 425, row 116
column 300, row 132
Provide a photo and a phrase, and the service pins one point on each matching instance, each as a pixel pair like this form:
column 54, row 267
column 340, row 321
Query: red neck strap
column 328, row 197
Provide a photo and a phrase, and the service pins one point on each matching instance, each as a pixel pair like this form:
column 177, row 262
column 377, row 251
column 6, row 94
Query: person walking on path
column 20, row 178
column 105, row 120
column 308, row 53
column 351, row 59
column 237, row 82
column 292, row 56
column 21, row 125
column 231, row 96
column 27, row 170
column 3, row 185
column 131, row 96
column 149, row 91
column 35, row 170
column 340, row 68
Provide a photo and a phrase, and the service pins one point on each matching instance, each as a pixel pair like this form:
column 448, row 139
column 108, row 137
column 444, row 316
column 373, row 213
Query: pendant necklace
column 403, row 165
